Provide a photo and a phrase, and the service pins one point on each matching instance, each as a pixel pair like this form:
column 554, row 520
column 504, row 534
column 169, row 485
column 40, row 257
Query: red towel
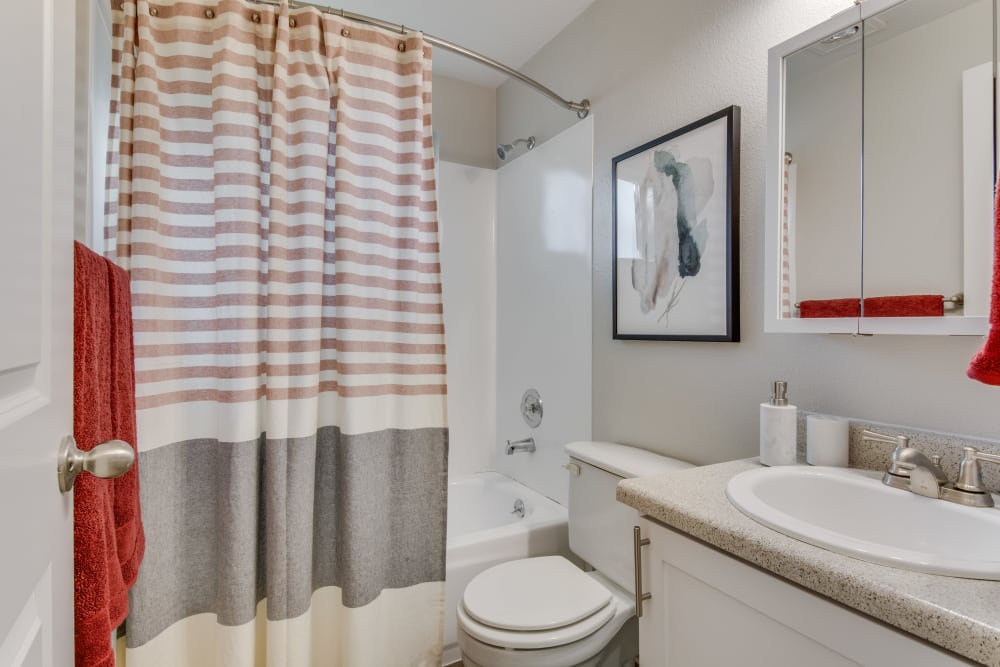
column 910, row 305
column 830, row 308
column 985, row 366
column 108, row 541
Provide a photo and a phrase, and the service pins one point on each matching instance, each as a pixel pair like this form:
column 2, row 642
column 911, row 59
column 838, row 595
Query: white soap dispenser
column 778, row 427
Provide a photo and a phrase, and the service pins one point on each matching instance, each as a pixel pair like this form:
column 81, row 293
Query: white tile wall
column 544, row 201
column 466, row 211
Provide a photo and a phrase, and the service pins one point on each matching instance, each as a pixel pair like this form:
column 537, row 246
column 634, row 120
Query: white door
column 36, row 329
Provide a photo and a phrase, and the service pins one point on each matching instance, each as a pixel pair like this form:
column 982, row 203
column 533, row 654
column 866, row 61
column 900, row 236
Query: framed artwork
column 675, row 231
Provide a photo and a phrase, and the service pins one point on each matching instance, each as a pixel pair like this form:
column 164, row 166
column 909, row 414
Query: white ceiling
column 511, row 31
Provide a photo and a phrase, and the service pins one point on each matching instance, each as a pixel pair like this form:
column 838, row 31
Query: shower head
column 504, row 150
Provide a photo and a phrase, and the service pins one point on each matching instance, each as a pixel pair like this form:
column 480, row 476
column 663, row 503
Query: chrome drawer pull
column 638, row 542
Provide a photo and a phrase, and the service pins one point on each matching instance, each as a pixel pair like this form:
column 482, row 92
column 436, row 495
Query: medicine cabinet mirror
column 881, row 151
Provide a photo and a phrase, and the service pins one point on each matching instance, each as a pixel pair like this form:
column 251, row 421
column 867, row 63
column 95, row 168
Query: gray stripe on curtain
column 224, row 529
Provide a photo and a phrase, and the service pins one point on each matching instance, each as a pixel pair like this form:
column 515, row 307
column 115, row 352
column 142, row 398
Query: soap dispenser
column 778, row 428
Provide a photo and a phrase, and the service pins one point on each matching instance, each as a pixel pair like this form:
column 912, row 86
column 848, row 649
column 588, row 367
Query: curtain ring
column 345, row 33
column 401, row 47
column 209, row 14
column 291, row 23
column 255, row 17
column 153, row 11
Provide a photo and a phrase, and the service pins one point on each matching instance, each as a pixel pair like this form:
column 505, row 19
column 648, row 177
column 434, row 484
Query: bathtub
column 483, row 530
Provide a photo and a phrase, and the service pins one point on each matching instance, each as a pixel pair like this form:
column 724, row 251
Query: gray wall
column 651, row 66
column 465, row 122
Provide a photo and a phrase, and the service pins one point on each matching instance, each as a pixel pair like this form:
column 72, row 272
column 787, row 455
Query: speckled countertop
column 961, row 615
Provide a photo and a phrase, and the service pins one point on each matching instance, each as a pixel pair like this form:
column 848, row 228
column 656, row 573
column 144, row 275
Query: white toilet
column 545, row 611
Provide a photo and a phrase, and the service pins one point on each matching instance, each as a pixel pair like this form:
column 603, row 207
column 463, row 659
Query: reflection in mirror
column 820, row 221
column 928, row 156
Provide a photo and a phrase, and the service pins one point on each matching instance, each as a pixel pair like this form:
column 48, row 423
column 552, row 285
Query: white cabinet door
column 652, row 624
column 36, row 309
column 708, row 609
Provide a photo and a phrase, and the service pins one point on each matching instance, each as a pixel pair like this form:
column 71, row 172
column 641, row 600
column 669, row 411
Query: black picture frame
column 675, row 226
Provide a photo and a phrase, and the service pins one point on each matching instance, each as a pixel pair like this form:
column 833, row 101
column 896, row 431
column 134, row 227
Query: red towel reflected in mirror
column 910, row 305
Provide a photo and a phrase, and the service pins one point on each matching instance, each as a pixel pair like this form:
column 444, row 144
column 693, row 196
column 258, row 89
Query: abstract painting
column 675, row 231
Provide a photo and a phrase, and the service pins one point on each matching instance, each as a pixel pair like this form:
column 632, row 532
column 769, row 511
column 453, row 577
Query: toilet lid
column 533, row 594
column 537, row 639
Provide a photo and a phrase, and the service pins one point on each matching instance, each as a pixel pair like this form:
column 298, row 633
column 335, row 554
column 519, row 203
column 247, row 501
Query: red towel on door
column 108, row 541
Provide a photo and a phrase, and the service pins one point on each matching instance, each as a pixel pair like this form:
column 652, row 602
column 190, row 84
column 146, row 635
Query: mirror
column 822, row 170
column 880, row 172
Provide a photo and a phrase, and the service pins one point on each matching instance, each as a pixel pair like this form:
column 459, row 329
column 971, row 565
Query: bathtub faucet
column 519, row 508
column 526, row 445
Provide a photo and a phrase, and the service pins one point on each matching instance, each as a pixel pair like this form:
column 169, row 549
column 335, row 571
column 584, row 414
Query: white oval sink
column 852, row 513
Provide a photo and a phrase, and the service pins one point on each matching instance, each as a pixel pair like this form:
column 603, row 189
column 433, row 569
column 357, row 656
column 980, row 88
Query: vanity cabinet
column 708, row 609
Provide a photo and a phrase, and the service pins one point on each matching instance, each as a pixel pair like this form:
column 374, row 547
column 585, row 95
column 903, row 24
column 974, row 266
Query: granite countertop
column 961, row 615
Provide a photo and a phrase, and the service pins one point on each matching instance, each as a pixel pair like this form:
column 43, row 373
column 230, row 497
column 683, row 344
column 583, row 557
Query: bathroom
column 536, row 298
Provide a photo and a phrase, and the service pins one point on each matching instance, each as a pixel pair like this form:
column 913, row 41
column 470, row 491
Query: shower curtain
column 789, row 181
column 272, row 195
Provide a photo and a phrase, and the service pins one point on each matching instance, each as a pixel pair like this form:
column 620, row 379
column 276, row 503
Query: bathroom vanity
column 728, row 590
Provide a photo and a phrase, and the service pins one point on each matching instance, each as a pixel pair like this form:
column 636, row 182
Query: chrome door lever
column 108, row 459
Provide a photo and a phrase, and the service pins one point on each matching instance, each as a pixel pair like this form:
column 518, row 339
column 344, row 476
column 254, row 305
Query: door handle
column 107, row 460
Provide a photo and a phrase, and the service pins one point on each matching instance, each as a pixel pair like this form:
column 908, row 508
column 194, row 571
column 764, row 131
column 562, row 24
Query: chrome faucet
column 518, row 508
column 905, row 460
column 913, row 471
column 526, row 445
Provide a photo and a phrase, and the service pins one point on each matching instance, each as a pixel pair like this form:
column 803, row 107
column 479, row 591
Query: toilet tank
column 600, row 527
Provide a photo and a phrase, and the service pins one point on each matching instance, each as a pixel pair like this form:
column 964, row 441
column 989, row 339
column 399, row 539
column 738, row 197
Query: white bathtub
column 483, row 531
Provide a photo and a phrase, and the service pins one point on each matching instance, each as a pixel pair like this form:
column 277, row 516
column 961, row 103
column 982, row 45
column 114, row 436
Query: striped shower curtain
column 272, row 195
column 789, row 173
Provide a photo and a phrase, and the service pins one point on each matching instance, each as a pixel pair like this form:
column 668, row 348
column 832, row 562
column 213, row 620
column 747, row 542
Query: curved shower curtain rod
column 582, row 108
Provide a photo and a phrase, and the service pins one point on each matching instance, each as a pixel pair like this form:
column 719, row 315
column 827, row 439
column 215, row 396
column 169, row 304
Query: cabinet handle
column 638, row 542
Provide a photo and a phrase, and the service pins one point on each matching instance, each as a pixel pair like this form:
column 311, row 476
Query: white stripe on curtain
column 271, row 190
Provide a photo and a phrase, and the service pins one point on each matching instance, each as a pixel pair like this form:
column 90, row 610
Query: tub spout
column 526, row 445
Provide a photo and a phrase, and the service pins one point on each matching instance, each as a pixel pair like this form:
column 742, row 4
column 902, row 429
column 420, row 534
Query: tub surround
column 543, row 336
column 960, row 615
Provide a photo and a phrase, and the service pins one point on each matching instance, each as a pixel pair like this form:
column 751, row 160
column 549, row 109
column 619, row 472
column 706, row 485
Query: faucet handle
column 970, row 475
column 901, row 441
column 936, row 458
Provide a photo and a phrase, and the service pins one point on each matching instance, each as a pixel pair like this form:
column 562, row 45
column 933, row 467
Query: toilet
column 546, row 611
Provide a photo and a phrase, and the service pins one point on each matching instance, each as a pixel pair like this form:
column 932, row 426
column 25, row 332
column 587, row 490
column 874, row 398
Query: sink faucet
column 905, row 460
column 526, row 445
column 913, row 471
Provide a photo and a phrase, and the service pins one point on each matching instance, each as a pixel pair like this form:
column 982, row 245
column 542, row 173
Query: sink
column 852, row 513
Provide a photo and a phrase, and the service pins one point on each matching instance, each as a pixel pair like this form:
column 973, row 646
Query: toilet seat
column 538, row 639
column 534, row 603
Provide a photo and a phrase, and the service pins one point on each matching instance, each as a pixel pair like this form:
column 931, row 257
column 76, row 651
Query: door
column 36, row 310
